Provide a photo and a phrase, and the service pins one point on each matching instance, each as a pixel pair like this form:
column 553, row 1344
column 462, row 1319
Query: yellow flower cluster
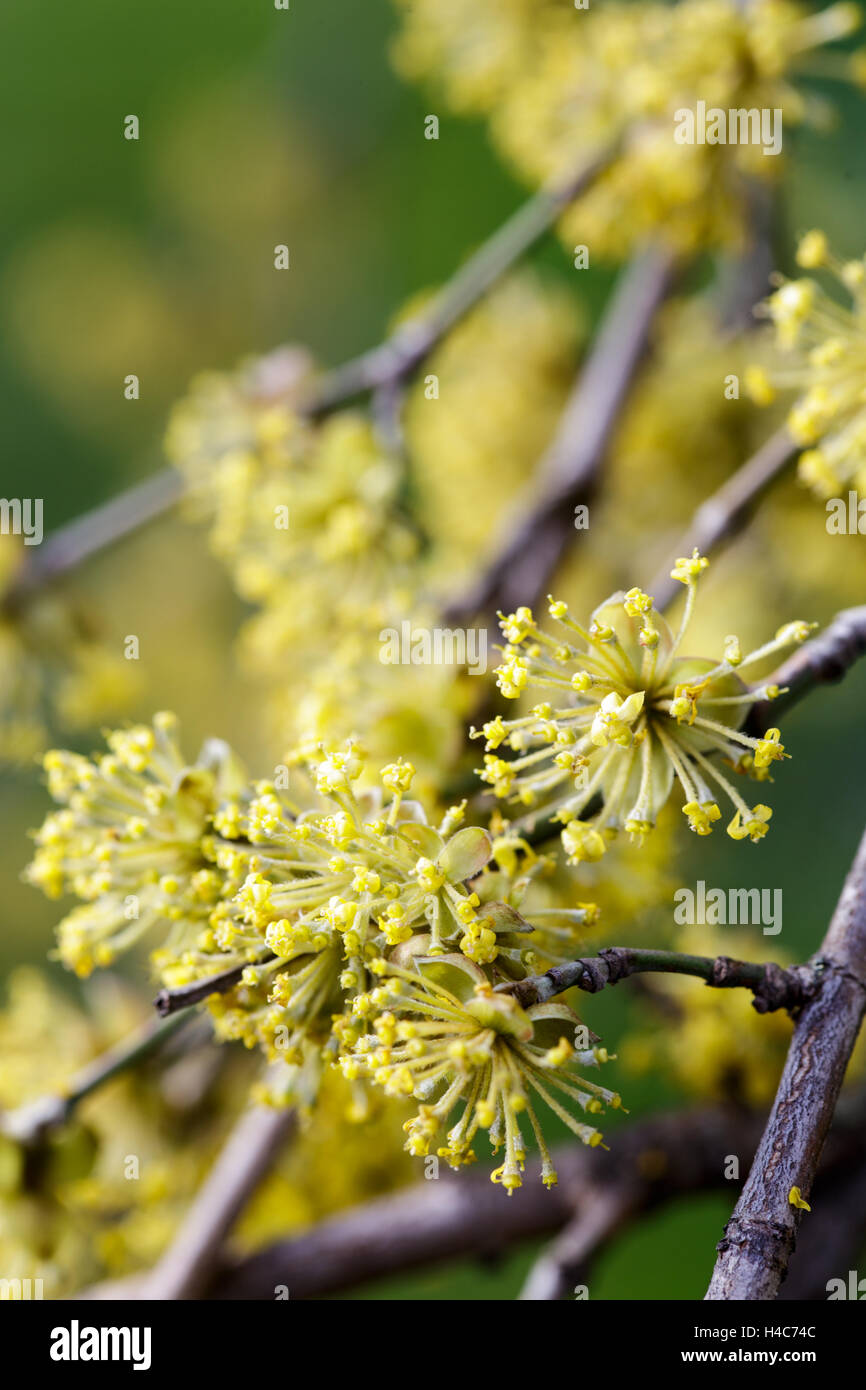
column 309, row 904
column 309, row 519
column 632, row 716
column 329, row 890
column 129, row 842
column 443, row 1034
column 825, row 346
column 311, row 506
column 560, row 84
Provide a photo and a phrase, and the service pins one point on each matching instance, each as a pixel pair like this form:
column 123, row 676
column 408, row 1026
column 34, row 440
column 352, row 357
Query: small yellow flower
column 813, row 250
column 752, row 825
column 769, row 749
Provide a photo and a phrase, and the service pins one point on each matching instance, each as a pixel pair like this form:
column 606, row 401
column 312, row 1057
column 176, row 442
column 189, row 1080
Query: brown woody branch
column 720, row 516
column 395, row 359
column 746, row 277
column 660, row 1158
column 70, row 545
column 567, row 1261
column 171, row 1001
column 541, row 522
column 32, row 1121
column 761, row 1234
column 254, row 1144
column 467, row 1215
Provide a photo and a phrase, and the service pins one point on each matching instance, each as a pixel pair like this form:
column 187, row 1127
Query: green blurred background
column 156, row 257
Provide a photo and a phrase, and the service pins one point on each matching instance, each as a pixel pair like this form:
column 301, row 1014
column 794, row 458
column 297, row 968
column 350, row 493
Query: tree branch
column 721, row 515
column 567, row 1261
column 380, row 368
column 821, row 661
column 171, row 1001
column 250, row 1152
column 541, row 522
column 400, row 354
column 29, row 1123
column 655, row 1160
column 70, row 545
column 773, row 987
column 466, row 1214
column 760, row 1236
column 745, row 278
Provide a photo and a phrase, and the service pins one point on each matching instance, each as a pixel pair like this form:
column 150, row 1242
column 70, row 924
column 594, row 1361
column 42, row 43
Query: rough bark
column 760, row 1236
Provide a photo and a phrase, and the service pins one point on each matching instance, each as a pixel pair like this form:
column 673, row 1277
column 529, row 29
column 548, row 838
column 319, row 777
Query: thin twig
column 29, row 1123
column 393, row 360
column 386, row 412
column 745, row 278
column 541, row 522
column 821, row 661
column 383, row 367
column 171, row 1001
column 93, row 531
column 252, row 1147
column 773, row 987
column 721, row 515
column 760, row 1236
column 567, row 1261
